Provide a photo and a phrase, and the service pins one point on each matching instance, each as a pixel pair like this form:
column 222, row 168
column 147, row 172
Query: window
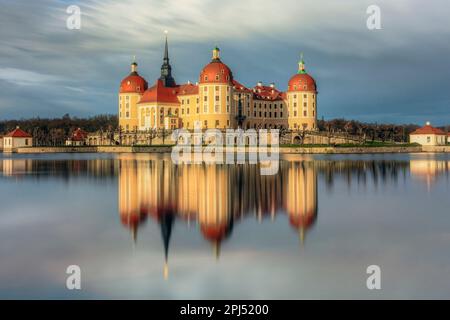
column 205, row 108
column 216, row 108
column 228, row 123
column 295, row 113
column 182, row 111
column 295, row 96
column 187, row 101
column 182, row 101
column 206, row 123
column 205, row 98
column 295, row 104
column 187, row 111
column 26, row 142
column 206, row 78
column 281, row 114
column 217, row 123
column 305, row 104
column 428, row 139
column 217, row 98
column 217, row 77
column 217, row 87
column 304, row 113
column 304, row 96
column 127, row 114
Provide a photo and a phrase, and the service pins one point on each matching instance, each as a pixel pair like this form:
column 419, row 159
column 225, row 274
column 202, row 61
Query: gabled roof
column 240, row 87
column 18, row 133
column 187, row 89
column 261, row 92
column 79, row 135
column 160, row 93
column 428, row 129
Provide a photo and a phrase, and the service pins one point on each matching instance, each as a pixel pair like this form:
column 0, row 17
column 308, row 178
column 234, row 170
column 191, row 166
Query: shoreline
column 282, row 150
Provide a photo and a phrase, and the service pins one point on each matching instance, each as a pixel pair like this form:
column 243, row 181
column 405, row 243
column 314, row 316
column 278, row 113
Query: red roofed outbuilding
column 16, row 139
column 429, row 136
column 78, row 138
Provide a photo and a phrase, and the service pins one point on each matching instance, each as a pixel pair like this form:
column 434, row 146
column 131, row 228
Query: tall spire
column 166, row 69
column 301, row 65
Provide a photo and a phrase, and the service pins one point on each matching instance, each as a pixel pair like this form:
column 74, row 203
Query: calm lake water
column 140, row 227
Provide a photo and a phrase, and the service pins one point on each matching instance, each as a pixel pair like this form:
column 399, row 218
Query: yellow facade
column 128, row 111
column 220, row 104
column 302, row 113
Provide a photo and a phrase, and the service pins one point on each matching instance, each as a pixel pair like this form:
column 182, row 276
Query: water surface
column 140, row 227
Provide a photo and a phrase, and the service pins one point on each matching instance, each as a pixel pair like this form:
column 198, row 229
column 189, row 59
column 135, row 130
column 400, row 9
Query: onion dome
column 216, row 71
column 302, row 81
column 133, row 83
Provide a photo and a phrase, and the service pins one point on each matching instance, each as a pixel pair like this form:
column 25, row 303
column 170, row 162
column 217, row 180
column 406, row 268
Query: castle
column 217, row 100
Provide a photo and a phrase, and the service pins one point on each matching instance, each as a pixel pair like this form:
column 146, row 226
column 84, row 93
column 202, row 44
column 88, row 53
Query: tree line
column 55, row 131
column 370, row 131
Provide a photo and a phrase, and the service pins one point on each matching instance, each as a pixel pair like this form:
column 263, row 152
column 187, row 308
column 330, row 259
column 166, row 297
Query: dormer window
column 217, row 77
column 206, row 78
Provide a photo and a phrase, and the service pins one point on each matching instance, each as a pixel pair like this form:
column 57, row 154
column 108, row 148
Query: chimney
column 272, row 85
column 259, row 84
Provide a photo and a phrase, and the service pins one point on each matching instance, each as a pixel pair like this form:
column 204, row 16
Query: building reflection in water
column 217, row 197
column 429, row 169
column 214, row 196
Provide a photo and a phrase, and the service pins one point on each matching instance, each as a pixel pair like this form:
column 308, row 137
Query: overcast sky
column 398, row 74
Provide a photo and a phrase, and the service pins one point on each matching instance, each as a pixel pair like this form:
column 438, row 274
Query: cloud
column 399, row 70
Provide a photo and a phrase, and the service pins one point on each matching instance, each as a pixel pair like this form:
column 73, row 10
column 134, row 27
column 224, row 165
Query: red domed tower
column 131, row 89
column 302, row 100
column 217, row 109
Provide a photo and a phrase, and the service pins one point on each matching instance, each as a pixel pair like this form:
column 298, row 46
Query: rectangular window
column 206, row 123
column 304, row 113
column 228, row 123
column 217, row 123
column 216, row 108
column 217, row 98
column 205, row 98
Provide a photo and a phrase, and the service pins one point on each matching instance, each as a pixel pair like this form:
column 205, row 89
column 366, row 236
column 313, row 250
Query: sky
column 397, row 74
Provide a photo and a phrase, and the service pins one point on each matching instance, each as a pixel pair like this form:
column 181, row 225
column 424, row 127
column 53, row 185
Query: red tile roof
column 187, row 89
column 18, row 133
column 240, row 87
column 79, row 135
column 160, row 93
column 267, row 93
column 428, row 129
